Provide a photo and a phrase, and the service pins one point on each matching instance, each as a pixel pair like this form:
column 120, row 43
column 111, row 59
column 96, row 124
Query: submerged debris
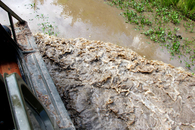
column 105, row 86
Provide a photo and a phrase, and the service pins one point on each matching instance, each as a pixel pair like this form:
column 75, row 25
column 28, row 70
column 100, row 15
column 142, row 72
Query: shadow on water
column 91, row 19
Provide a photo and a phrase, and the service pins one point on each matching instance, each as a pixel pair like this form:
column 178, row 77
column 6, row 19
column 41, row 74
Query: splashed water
column 105, row 86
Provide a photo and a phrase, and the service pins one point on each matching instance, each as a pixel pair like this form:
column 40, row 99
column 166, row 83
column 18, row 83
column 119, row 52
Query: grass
column 187, row 7
column 189, row 26
column 160, row 21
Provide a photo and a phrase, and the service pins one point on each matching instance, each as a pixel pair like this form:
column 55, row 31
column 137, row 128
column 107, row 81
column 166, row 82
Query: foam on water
column 105, row 86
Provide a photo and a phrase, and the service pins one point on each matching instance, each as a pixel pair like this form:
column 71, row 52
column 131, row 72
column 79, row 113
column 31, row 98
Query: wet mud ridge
column 104, row 86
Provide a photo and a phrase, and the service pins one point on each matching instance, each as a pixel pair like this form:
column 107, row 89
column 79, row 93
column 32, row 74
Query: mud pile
column 105, row 86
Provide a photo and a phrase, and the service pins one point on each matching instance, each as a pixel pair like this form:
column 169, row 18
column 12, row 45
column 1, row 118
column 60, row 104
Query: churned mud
column 105, row 86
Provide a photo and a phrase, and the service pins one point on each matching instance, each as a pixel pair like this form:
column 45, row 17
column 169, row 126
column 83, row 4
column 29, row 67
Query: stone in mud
column 105, row 86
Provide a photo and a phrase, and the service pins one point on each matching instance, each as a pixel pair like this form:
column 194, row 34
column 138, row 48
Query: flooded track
column 105, row 86
column 91, row 19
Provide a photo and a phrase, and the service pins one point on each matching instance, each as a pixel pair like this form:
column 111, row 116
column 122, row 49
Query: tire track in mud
column 105, row 86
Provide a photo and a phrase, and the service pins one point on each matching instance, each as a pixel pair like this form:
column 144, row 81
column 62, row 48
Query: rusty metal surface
column 42, row 84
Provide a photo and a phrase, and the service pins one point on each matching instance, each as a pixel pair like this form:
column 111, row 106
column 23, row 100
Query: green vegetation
column 187, row 7
column 160, row 21
column 45, row 26
column 32, row 5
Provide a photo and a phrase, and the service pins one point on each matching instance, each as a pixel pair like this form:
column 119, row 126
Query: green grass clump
column 159, row 20
column 46, row 26
column 187, row 7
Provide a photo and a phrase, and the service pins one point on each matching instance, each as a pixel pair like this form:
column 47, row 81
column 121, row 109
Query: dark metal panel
column 19, row 94
column 17, row 104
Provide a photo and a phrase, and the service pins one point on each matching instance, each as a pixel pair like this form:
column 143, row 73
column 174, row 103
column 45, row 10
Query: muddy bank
column 105, row 86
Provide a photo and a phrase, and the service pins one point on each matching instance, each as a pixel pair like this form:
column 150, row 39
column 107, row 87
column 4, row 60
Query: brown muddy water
column 91, row 19
column 105, row 86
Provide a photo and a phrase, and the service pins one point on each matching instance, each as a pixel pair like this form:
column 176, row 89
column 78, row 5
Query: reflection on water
column 92, row 19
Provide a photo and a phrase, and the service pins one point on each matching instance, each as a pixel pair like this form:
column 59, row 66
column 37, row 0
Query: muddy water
column 105, row 86
column 92, row 19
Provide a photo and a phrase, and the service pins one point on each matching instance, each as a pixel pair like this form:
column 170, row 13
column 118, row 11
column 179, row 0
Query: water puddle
column 91, row 19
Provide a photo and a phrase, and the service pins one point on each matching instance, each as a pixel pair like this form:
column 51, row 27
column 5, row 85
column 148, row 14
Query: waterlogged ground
column 105, row 86
column 92, row 19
